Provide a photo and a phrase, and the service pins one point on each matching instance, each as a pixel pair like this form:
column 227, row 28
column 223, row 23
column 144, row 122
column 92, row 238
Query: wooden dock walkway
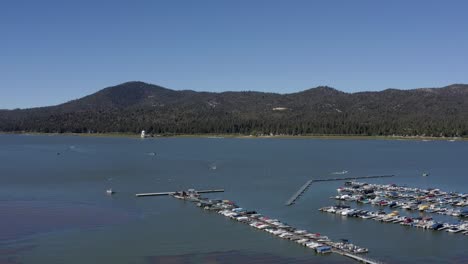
column 170, row 193
column 354, row 178
column 359, row 258
column 306, row 185
column 299, row 192
column 211, row 191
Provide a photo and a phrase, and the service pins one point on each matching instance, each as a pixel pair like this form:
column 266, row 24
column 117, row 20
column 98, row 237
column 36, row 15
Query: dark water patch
column 235, row 256
column 463, row 259
column 23, row 218
column 11, row 255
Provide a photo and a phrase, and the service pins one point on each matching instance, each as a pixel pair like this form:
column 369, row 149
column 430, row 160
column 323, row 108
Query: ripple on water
column 9, row 255
column 25, row 218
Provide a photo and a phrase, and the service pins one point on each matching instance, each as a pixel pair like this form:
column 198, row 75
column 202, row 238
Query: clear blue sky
column 55, row 51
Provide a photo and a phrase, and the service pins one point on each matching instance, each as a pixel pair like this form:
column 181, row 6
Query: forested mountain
column 134, row 106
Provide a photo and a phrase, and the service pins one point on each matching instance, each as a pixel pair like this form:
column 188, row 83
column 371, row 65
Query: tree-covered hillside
column 134, row 106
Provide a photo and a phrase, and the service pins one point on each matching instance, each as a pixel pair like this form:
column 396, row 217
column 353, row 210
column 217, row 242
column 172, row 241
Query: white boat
column 340, row 172
column 277, row 232
column 454, row 230
column 110, row 191
column 345, row 212
column 313, row 245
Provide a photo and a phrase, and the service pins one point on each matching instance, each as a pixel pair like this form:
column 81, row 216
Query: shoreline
column 220, row 136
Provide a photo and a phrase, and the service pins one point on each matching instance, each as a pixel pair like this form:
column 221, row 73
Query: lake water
column 54, row 209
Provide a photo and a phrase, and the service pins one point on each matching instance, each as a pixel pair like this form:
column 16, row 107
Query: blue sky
column 55, row 51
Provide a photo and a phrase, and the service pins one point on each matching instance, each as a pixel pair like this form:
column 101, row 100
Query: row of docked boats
column 393, row 196
column 319, row 243
column 396, row 218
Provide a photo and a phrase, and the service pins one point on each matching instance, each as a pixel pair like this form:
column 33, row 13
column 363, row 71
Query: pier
column 171, row 193
column 306, row 185
column 299, row 192
column 319, row 243
column 361, row 259
column 354, row 178
column 211, row 191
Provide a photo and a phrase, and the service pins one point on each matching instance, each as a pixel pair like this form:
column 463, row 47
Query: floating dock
column 361, row 258
column 311, row 240
column 306, row 185
column 171, row 193
column 395, row 218
column 353, row 178
column 434, row 201
column 211, row 191
column 299, row 192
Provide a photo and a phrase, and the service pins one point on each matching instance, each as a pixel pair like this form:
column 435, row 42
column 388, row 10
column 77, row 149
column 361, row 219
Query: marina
column 432, row 201
column 395, row 218
column 317, row 242
column 234, row 132
column 175, row 229
column 306, row 185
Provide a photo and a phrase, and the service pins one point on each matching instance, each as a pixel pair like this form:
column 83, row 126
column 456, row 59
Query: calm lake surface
column 54, row 209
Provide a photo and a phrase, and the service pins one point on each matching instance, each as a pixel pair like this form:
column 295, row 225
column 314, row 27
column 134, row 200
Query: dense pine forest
column 133, row 106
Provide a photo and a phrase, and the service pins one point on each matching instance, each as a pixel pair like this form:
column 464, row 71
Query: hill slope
column 133, row 106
